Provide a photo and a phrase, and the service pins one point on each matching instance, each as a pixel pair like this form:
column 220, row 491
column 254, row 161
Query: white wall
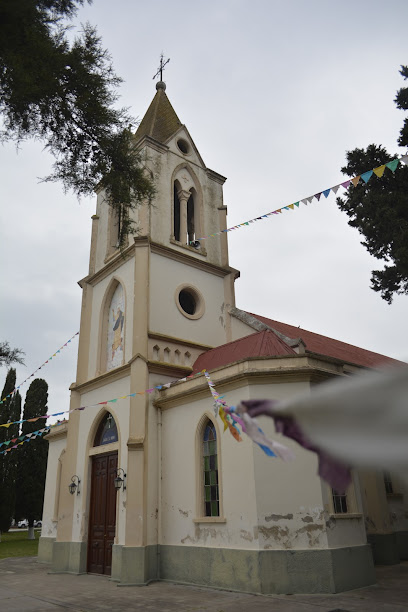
column 166, row 275
column 179, row 480
column 49, row 526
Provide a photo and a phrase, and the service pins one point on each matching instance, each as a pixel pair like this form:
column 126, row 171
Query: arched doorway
column 102, row 513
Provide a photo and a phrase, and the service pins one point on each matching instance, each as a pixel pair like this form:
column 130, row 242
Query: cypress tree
column 32, row 457
column 10, row 412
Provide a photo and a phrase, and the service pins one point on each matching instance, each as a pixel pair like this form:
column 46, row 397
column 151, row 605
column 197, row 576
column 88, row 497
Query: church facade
column 147, row 487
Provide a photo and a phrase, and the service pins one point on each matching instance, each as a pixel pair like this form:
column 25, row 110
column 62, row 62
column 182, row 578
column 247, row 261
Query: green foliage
column 10, row 412
column 32, row 456
column 64, row 94
column 9, row 356
column 379, row 209
column 401, row 101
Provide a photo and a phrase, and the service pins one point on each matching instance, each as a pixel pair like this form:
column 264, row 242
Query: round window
column 183, row 146
column 189, row 301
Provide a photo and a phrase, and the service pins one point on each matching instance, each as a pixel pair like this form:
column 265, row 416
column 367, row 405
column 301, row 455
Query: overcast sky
column 273, row 94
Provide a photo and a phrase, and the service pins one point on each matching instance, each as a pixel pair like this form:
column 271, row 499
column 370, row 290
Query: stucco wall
column 240, row 329
column 179, row 481
column 55, row 450
column 165, row 276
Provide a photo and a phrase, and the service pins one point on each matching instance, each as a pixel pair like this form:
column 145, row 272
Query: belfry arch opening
column 186, row 208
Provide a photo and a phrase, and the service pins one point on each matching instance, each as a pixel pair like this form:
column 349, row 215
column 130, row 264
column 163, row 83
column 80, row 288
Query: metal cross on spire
column 161, row 67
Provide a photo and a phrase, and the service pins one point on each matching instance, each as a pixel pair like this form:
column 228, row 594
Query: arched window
column 176, row 215
column 187, row 201
column 190, row 219
column 107, row 431
column 210, row 466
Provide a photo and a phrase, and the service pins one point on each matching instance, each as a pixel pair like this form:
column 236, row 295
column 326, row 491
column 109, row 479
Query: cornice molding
column 253, row 371
column 136, row 357
column 151, row 142
column 135, row 444
column 165, row 251
column 157, row 336
column 218, row 178
column 57, row 432
column 112, row 265
column 106, row 377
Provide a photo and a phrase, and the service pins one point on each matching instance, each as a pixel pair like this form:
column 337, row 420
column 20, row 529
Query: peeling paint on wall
column 307, row 519
column 245, row 535
column 278, row 517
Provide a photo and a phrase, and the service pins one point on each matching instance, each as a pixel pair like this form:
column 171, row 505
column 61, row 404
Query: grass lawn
column 16, row 544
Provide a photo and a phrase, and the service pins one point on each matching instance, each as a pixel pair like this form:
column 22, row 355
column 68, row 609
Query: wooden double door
column 102, row 515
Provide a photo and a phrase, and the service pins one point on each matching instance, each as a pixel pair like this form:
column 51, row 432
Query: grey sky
column 273, row 94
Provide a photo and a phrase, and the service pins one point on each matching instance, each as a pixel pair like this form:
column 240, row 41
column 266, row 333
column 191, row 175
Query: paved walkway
column 26, row 586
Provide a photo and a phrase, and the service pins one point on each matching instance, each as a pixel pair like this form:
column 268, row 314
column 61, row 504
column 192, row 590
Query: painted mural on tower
column 116, row 322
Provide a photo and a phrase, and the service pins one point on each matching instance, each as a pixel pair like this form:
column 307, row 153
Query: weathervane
column 161, row 67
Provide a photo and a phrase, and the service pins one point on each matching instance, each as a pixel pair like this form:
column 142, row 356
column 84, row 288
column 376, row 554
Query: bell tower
column 181, row 287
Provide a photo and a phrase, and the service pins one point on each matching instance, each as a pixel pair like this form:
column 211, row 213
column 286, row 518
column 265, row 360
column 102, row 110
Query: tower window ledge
column 201, row 250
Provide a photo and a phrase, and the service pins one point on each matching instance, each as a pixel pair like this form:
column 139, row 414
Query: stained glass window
column 107, row 431
column 210, row 461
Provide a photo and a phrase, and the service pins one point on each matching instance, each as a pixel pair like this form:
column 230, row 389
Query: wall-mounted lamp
column 74, row 485
column 119, row 482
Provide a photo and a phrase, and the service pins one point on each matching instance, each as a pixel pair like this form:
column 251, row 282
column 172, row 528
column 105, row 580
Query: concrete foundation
column 269, row 571
column 134, row 565
column 45, row 546
column 69, row 557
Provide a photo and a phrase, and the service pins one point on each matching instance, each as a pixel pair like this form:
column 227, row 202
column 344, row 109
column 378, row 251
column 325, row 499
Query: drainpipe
column 159, row 488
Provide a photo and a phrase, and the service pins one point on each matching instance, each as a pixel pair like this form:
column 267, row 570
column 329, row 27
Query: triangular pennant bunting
column 379, row 171
column 367, row 175
column 392, row 165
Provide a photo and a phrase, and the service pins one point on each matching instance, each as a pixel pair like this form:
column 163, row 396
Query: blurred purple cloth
column 336, row 473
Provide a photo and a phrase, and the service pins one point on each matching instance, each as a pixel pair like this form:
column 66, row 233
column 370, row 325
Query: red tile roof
column 265, row 343
column 323, row 345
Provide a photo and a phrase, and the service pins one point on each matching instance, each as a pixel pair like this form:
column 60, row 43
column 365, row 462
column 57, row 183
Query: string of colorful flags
column 365, row 177
column 104, row 403
column 231, row 417
column 35, row 371
column 55, row 414
column 19, row 440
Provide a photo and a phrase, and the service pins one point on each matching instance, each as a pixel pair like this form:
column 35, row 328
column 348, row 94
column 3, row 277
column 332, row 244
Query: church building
column 142, row 483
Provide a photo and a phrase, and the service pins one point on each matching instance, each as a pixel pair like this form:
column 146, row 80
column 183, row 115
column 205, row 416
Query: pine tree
column 32, row 457
column 10, row 412
column 64, row 93
column 379, row 208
